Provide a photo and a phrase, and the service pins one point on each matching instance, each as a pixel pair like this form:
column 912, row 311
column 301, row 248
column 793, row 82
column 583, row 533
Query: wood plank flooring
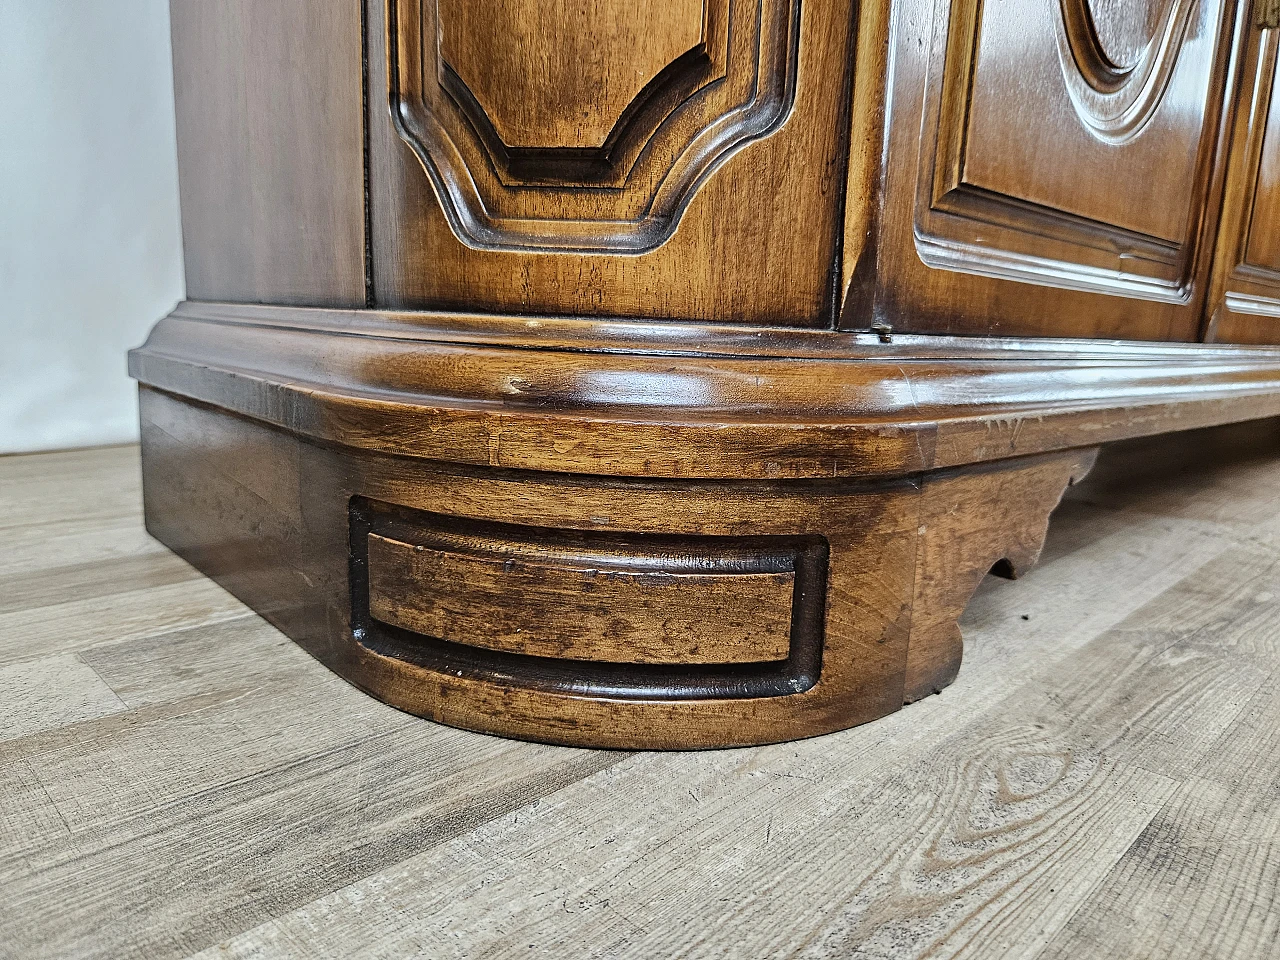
column 1103, row 781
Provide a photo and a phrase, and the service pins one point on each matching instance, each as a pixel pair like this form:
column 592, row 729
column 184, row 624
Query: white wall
column 90, row 243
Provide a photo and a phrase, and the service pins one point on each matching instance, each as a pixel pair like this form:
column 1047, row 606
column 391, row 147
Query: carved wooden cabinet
column 667, row 373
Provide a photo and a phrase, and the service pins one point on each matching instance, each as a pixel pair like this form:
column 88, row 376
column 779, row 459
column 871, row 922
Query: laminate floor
column 1102, row 781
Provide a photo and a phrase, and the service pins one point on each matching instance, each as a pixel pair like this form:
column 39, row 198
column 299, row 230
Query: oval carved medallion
column 1117, row 58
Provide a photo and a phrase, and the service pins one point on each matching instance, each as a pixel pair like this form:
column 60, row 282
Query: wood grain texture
column 1208, row 860
column 501, row 609
column 1109, row 116
column 740, row 140
column 972, row 523
column 661, row 402
column 246, row 803
column 710, row 79
column 1264, row 243
column 269, row 104
column 51, row 692
column 585, row 604
column 1050, row 192
column 562, row 74
column 1244, row 300
column 284, row 545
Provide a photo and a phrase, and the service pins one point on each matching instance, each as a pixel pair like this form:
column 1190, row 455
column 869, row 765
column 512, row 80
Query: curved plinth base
column 588, row 611
column 412, row 536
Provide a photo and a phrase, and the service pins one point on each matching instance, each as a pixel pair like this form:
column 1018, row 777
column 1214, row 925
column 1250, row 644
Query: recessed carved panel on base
column 619, row 615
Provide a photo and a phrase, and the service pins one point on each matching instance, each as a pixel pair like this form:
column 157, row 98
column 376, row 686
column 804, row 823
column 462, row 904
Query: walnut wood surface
column 516, row 591
column 542, row 80
column 178, row 779
column 972, row 523
column 1059, row 166
column 605, row 458
column 564, row 163
column 812, row 406
column 267, row 516
column 920, row 481
column 1142, row 106
column 1051, row 194
column 1244, row 305
column 270, row 149
column 717, row 171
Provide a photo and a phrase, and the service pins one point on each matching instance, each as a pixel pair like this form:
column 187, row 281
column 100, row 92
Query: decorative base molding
column 633, row 549
column 973, row 522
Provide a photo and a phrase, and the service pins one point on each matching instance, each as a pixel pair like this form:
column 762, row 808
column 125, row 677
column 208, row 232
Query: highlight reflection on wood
column 1245, row 297
column 515, row 107
column 542, row 81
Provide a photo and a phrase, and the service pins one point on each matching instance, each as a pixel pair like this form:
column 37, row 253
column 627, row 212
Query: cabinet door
column 1063, row 181
column 1245, row 298
column 678, row 159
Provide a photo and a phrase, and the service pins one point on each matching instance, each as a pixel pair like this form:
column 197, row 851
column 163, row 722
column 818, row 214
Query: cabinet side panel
column 270, row 149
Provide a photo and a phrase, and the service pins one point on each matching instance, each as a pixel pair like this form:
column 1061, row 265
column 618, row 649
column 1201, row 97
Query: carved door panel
column 1066, row 145
column 1245, row 297
column 610, row 157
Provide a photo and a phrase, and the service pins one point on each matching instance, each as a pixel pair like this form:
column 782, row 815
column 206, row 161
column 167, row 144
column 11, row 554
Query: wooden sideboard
column 668, row 373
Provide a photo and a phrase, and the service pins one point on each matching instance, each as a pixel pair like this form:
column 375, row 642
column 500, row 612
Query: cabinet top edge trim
column 638, row 414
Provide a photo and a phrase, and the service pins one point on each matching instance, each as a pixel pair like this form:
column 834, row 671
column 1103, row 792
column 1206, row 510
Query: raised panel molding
column 1245, row 292
column 1262, row 244
column 1113, row 87
column 571, row 126
column 620, row 614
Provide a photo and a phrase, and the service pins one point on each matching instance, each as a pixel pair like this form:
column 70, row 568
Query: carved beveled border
column 703, row 64
column 1115, row 103
column 629, row 196
column 1070, row 251
column 639, row 399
